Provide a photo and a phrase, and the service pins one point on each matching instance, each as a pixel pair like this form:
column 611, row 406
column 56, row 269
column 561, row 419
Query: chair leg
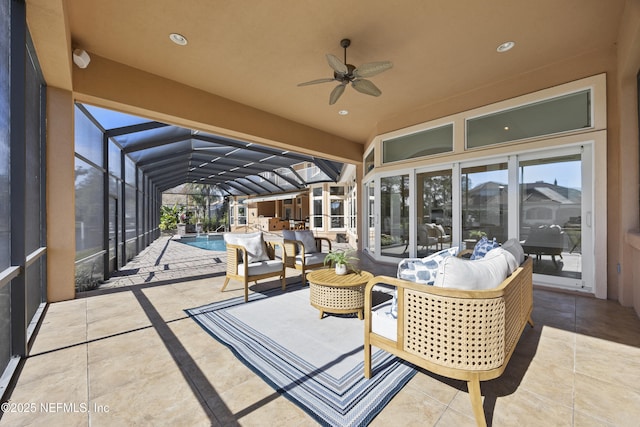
column 284, row 282
column 530, row 321
column 367, row 360
column 304, row 277
column 476, row 402
column 226, row 282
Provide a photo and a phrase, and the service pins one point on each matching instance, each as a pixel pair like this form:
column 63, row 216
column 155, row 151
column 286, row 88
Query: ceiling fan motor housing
column 345, row 78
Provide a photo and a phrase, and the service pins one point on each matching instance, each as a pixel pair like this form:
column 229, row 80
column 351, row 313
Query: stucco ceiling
column 256, row 52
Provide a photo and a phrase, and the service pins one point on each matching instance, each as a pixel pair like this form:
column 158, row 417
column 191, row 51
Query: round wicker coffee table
column 331, row 293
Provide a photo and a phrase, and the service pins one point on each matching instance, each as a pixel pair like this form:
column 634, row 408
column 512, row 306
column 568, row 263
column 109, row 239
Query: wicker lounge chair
column 305, row 252
column 250, row 258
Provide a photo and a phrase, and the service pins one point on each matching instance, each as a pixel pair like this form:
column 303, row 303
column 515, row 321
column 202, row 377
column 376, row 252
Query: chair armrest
column 233, row 260
column 319, row 241
column 271, row 249
column 289, row 247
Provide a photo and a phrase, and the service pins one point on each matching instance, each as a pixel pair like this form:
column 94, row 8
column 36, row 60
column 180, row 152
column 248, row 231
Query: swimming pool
column 210, row 242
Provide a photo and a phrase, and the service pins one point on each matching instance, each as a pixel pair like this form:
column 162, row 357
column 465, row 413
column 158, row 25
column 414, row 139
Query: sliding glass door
column 394, row 206
column 544, row 199
column 484, row 203
column 434, row 211
column 554, row 206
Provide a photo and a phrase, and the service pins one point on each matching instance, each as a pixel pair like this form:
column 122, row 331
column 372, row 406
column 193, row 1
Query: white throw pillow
column 307, row 239
column 511, row 260
column 472, row 274
column 252, row 242
column 514, row 246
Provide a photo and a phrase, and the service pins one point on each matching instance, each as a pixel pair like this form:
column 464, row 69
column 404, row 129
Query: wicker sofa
column 467, row 335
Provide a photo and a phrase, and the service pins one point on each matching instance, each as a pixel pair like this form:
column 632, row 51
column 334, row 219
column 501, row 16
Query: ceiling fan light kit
column 345, row 73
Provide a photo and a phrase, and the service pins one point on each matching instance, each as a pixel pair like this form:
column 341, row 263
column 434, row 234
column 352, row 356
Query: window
column 337, row 202
column 242, row 213
column 316, row 208
column 352, row 205
column 560, row 114
column 369, row 162
column 419, row 144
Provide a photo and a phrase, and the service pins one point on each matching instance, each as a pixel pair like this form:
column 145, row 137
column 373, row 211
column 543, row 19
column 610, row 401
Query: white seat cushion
column 261, row 267
column 313, row 258
column 382, row 321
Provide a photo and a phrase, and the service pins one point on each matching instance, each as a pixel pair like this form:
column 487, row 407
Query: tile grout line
column 575, row 355
column 86, row 340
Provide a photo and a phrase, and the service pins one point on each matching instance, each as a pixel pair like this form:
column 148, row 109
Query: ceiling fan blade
column 313, row 82
column 336, row 93
column 337, row 65
column 366, row 87
column 372, row 68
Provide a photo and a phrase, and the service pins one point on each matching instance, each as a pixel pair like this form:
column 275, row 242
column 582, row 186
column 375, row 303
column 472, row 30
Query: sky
column 567, row 174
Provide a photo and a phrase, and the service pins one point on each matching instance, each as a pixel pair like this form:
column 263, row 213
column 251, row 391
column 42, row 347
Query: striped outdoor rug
column 316, row 363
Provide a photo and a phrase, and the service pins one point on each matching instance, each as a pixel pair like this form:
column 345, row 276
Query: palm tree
column 202, row 196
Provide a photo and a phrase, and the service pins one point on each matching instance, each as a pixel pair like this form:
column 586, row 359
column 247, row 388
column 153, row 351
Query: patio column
column 60, row 167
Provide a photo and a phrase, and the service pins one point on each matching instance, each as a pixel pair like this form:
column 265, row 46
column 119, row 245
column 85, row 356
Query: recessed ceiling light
column 178, row 39
column 505, row 46
column 343, row 112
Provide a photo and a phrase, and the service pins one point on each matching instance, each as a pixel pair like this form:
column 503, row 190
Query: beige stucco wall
column 60, row 168
column 628, row 246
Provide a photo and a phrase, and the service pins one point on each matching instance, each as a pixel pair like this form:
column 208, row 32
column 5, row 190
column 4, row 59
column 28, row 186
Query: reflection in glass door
column 484, row 203
column 394, row 210
column 551, row 214
column 434, row 211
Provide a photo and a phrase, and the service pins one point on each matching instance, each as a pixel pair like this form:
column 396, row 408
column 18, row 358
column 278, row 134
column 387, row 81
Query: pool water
column 210, row 243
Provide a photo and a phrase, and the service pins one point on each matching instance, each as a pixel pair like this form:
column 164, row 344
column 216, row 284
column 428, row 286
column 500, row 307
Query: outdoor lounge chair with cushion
column 545, row 240
column 303, row 251
column 427, row 236
column 250, row 258
column 443, row 237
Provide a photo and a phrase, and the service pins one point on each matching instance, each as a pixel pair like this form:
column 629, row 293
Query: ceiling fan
column 347, row 73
